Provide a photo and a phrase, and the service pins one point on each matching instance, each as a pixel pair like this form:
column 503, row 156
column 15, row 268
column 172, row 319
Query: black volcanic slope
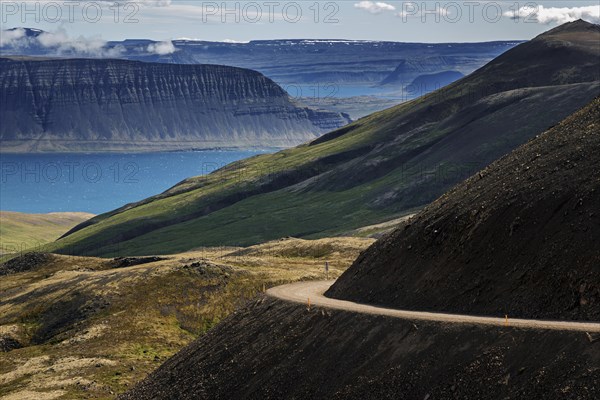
column 520, row 238
column 378, row 168
column 99, row 105
column 274, row 350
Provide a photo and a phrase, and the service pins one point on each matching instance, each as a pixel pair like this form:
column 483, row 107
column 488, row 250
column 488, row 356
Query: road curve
column 302, row 292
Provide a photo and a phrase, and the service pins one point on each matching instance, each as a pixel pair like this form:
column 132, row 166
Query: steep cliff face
column 84, row 104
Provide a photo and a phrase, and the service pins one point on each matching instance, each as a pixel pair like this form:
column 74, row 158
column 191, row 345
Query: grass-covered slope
column 19, row 231
column 378, row 168
column 77, row 327
column 519, row 238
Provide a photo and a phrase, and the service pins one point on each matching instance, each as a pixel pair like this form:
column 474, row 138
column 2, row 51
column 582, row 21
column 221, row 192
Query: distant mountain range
column 116, row 105
column 306, row 65
column 380, row 167
column 314, row 71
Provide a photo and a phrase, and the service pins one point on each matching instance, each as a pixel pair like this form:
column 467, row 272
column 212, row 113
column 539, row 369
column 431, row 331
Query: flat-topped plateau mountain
column 119, row 105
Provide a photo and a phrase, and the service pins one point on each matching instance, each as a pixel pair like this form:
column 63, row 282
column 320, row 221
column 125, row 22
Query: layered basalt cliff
column 99, row 105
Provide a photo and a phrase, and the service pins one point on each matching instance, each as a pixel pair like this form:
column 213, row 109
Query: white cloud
column 374, row 7
column 233, row 41
column 560, row 15
column 162, row 48
column 61, row 43
column 12, row 38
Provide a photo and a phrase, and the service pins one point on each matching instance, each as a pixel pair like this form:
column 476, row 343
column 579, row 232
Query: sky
column 405, row 21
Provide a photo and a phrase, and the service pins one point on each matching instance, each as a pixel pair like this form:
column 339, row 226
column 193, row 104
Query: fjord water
column 97, row 183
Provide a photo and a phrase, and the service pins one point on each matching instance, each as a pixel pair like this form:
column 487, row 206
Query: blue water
column 96, row 183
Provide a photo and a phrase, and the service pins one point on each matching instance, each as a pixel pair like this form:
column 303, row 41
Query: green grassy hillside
column 77, row 327
column 19, row 231
column 379, row 168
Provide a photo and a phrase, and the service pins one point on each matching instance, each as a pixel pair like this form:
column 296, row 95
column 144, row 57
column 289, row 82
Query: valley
column 302, row 218
column 378, row 168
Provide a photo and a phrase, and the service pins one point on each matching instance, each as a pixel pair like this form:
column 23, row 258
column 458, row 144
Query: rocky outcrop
column 25, row 262
column 100, row 105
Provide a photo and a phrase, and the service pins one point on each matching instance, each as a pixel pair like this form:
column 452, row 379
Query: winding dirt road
column 302, row 292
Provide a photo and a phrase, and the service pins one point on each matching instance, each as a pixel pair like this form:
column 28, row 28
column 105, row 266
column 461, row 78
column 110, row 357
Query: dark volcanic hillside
column 373, row 170
column 519, row 238
column 99, row 105
column 274, row 350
